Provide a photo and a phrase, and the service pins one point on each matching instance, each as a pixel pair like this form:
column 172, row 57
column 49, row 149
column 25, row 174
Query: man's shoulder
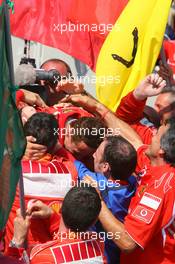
column 163, row 179
column 160, row 188
column 48, row 164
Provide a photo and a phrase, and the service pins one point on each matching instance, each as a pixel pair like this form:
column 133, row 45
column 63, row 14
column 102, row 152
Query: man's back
column 69, row 250
column 48, row 181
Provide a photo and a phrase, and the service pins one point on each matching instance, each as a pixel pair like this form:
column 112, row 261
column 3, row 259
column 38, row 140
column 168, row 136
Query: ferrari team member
column 131, row 107
column 147, row 234
column 80, row 210
column 41, row 180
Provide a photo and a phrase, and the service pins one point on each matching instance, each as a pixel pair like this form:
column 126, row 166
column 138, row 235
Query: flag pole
column 12, row 79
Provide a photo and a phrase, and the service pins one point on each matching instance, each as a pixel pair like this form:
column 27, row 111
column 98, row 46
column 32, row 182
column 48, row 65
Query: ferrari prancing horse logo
column 128, row 64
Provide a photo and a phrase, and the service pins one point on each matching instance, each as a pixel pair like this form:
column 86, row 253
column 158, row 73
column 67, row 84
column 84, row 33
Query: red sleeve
column 15, row 252
column 150, row 215
column 130, row 109
column 18, row 254
column 146, row 133
column 19, row 96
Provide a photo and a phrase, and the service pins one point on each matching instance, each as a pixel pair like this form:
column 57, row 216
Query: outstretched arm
column 95, row 107
column 29, row 98
column 132, row 105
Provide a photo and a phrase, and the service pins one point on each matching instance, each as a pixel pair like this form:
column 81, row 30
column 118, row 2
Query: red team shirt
column 48, row 181
column 65, row 249
column 169, row 47
column 77, row 251
column 151, row 217
column 151, row 220
column 130, row 110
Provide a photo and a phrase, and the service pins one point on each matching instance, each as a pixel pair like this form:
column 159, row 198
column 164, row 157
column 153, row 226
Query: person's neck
column 157, row 161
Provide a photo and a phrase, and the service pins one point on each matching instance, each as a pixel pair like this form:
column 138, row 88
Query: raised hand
column 152, row 85
column 37, row 209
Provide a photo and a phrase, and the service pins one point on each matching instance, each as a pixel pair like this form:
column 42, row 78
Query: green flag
column 12, row 140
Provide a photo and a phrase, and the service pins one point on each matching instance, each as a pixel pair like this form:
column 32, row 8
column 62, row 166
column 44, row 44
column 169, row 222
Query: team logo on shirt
column 142, row 190
column 56, row 206
column 68, row 110
column 150, row 200
column 142, row 172
column 143, row 214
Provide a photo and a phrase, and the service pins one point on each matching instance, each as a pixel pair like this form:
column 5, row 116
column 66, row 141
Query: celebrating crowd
column 99, row 187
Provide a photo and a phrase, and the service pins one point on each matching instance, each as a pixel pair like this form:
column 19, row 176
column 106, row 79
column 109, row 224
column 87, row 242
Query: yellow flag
column 131, row 49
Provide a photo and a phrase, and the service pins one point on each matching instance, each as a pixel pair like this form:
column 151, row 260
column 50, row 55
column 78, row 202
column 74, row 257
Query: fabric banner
column 59, row 24
column 102, row 13
column 12, row 140
column 131, row 49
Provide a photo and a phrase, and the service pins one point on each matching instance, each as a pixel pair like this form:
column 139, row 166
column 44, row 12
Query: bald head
column 57, row 64
column 53, row 96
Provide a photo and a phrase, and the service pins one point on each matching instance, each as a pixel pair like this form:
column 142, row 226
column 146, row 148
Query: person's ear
column 106, row 167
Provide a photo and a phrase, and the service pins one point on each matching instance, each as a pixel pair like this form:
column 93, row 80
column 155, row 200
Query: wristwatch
column 13, row 244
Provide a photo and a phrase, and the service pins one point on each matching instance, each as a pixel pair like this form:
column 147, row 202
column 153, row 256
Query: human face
column 52, row 93
column 162, row 101
column 79, row 149
column 99, row 164
column 164, row 107
column 154, row 149
column 59, row 66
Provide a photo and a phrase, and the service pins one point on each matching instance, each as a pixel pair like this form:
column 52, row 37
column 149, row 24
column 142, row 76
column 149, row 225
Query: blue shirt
column 117, row 198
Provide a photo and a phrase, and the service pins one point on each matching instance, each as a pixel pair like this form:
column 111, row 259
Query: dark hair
column 167, row 143
column 171, row 106
column 169, row 89
column 151, row 114
column 43, row 127
column 81, row 207
column 90, row 130
column 58, row 61
column 121, row 156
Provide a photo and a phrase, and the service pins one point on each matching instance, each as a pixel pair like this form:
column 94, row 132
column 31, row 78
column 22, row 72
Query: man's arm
column 114, row 228
column 29, row 98
column 111, row 224
column 114, row 123
column 132, row 105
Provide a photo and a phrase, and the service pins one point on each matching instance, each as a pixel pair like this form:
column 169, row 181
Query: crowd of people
column 99, row 187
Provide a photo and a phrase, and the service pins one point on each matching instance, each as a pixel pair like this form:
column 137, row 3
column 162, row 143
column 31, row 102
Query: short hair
column 43, row 127
column 167, row 143
column 169, row 89
column 58, row 61
column 81, row 207
column 121, row 156
column 90, row 130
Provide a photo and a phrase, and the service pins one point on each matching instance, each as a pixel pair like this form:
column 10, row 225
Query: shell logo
column 56, row 206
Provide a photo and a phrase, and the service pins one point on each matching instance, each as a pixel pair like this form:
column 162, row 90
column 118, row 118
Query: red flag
column 48, row 22
column 99, row 11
